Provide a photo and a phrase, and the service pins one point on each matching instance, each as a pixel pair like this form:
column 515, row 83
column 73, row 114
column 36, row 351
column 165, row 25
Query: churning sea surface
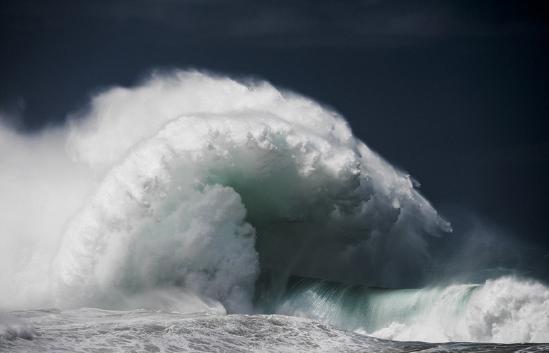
column 94, row 330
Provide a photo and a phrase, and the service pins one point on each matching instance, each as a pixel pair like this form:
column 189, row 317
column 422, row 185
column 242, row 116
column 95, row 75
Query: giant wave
column 178, row 193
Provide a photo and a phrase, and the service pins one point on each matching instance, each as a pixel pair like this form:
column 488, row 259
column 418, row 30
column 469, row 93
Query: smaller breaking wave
column 502, row 310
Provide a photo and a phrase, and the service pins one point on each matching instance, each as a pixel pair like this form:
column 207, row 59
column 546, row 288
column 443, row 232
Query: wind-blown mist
column 178, row 193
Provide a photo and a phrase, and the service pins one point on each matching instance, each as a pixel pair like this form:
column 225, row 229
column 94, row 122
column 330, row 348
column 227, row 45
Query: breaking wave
column 503, row 310
column 178, row 193
column 199, row 181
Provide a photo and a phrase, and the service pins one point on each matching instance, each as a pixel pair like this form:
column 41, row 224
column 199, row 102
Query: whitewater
column 198, row 212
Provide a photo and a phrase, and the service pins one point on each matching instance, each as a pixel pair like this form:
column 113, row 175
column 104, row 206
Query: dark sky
column 454, row 92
